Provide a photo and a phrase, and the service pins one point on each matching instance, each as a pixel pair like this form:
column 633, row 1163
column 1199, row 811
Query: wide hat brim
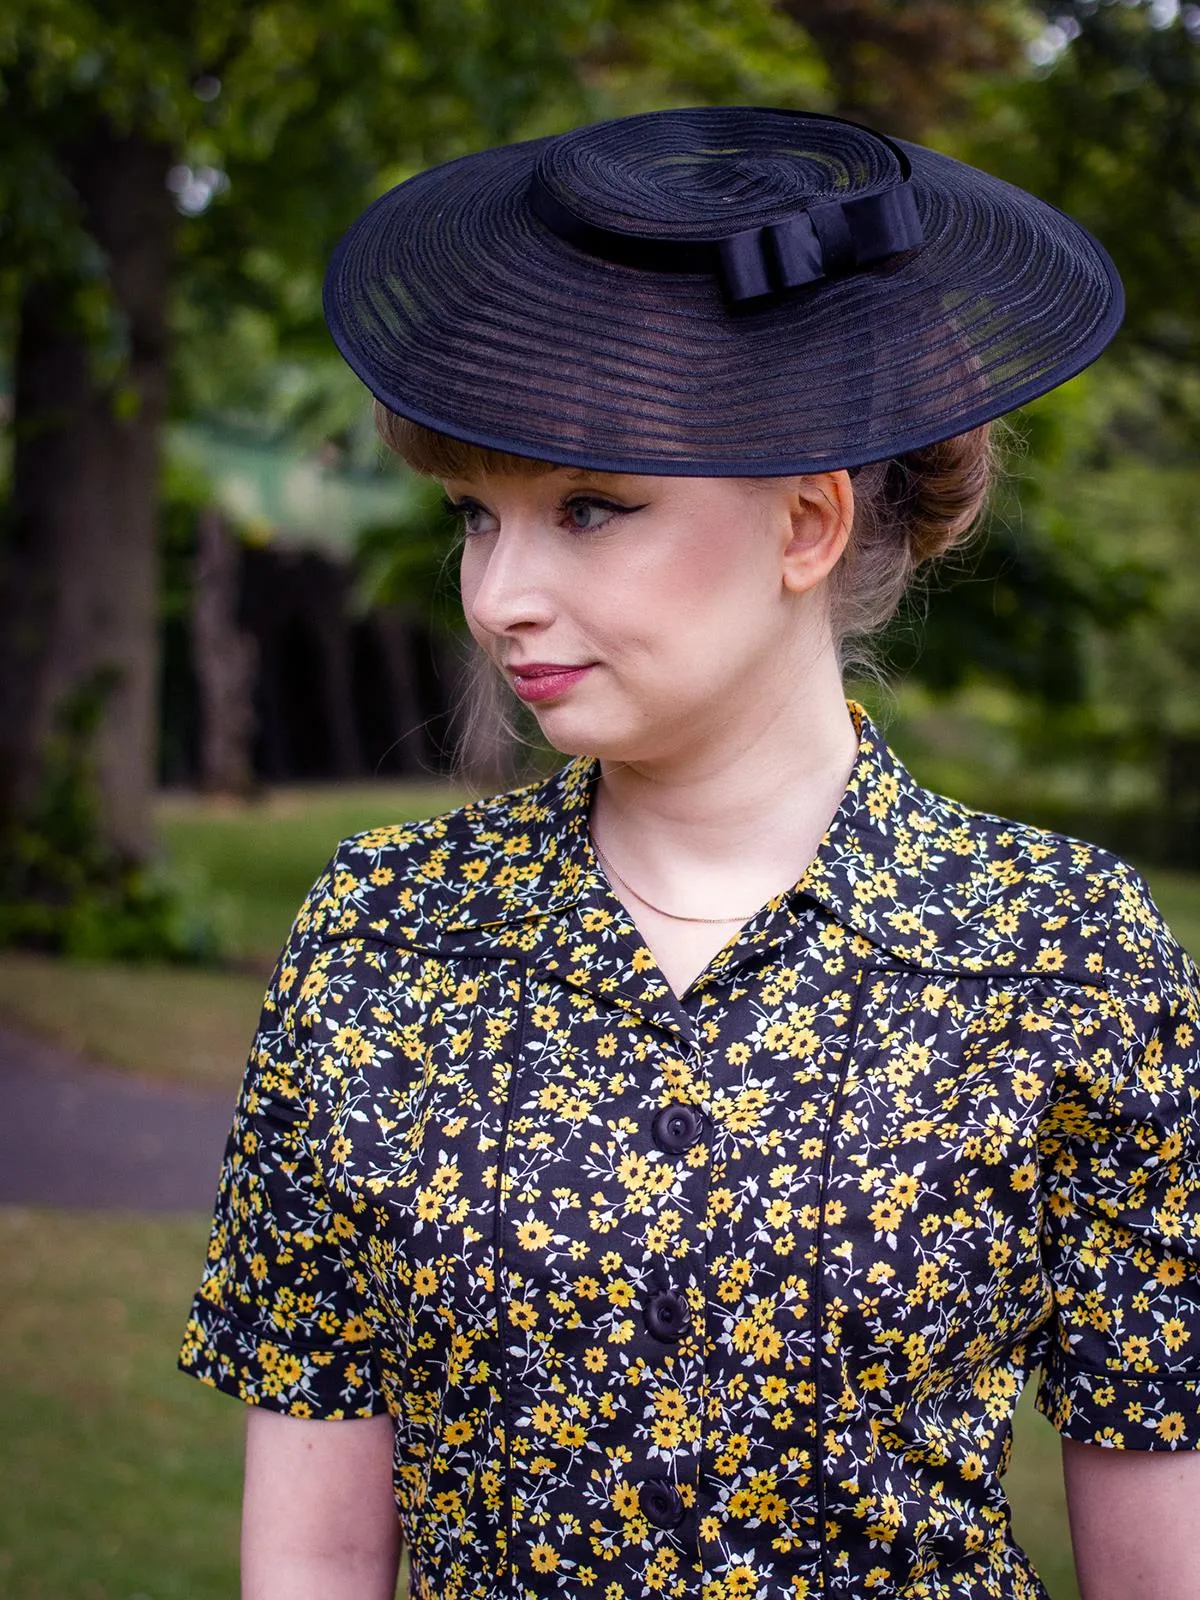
column 461, row 309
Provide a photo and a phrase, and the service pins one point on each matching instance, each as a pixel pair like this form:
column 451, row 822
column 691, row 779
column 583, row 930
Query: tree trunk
column 78, row 586
column 225, row 661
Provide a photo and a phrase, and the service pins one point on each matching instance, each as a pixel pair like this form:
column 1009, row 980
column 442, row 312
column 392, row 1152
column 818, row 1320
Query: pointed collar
column 877, row 870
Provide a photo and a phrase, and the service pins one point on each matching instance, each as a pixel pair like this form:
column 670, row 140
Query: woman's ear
column 821, row 514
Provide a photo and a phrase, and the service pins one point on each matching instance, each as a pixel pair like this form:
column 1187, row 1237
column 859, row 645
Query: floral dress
column 729, row 1295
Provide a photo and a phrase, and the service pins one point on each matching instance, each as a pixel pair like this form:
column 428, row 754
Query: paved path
column 75, row 1134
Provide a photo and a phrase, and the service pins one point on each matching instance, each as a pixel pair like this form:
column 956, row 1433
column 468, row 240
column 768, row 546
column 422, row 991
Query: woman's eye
column 584, row 515
column 472, row 517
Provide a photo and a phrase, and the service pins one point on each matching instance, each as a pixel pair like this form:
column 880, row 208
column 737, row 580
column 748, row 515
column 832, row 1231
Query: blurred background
column 227, row 624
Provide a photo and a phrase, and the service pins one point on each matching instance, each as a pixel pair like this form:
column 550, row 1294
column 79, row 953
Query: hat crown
column 712, row 171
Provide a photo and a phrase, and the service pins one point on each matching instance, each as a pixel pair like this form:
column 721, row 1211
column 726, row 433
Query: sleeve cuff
column 331, row 1382
column 1124, row 1411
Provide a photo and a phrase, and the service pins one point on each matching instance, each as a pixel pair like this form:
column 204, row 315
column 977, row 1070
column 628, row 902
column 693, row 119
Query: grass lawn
column 119, row 1478
column 173, row 1023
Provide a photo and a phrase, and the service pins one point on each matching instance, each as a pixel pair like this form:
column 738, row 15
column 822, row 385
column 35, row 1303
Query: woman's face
column 639, row 616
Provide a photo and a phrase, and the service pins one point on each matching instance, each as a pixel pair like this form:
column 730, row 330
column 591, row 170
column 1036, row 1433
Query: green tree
column 1108, row 128
column 167, row 168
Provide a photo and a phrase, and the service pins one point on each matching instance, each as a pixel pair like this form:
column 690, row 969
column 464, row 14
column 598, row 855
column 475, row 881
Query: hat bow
column 829, row 239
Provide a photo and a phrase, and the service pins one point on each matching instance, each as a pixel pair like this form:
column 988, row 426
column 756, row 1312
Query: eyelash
column 461, row 509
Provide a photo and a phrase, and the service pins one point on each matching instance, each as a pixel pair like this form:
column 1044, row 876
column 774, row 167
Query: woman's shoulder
column 410, row 881
column 1068, row 896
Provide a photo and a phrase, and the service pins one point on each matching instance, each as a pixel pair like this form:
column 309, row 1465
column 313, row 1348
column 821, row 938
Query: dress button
column 661, row 1503
column 667, row 1314
column 676, row 1128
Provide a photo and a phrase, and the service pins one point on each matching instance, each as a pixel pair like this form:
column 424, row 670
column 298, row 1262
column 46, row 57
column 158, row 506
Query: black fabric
column 715, row 292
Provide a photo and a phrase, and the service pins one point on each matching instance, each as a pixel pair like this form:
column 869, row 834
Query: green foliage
column 412, row 561
column 1028, row 601
column 914, row 67
column 63, row 889
column 1071, row 635
column 1109, row 130
column 1080, row 601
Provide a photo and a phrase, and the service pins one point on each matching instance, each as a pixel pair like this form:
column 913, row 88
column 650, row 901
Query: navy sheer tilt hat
column 715, row 292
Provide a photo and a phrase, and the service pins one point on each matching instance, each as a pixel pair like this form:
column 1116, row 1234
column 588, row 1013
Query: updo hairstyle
column 907, row 512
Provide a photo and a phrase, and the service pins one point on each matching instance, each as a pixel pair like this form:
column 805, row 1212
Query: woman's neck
column 721, row 826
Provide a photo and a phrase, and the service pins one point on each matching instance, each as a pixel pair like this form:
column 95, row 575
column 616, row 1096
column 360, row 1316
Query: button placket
column 667, row 1314
column 677, row 1128
column 661, row 1503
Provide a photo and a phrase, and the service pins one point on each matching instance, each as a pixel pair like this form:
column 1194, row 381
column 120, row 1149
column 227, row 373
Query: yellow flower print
column 314, row 983
column 670, row 1403
column 523, row 1315
column 533, row 1235
column 1171, row 1427
column 902, row 1088
column 1136, row 1351
column 885, row 1216
column 665, row 1434
column 1026, row 1086
column 624, row 1500
column 545, row 1417
column 1175, row 1335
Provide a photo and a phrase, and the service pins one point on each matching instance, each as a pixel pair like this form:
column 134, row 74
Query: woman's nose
column 507, row 580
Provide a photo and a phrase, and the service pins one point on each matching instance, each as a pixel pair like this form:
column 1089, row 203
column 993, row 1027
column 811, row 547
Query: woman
column 667, row 1176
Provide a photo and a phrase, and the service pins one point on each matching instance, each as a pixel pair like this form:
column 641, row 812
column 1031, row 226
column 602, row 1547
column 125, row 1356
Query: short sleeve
column 278, row 1318
column 1121, row 1190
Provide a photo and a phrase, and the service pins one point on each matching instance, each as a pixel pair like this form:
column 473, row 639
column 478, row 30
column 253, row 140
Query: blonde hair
column 908, row 512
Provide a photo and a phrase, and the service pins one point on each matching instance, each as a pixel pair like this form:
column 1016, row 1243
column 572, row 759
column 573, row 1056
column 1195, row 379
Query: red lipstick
column 544, row 680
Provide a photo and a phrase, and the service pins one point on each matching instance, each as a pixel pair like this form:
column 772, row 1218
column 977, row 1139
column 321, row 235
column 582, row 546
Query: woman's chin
column 574, row 734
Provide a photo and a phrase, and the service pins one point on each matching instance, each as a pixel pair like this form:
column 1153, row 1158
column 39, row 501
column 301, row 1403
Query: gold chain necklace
column 673, row 915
